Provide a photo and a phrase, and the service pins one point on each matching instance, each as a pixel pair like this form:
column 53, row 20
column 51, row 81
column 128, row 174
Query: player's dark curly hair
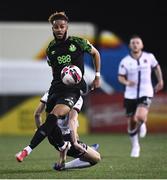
column 58, row 16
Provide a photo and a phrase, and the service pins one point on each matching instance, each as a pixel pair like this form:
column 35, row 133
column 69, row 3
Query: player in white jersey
column 135, row 73
column 85, row 156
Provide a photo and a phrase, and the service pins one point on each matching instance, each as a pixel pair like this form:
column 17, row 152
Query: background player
column 69, row 125
column 135, row 73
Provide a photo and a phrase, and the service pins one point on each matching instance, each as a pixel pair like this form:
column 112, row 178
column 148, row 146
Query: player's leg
column 131, row 106
column 141, row 116
column 139, row 121
column 73, row 152
column 45, row 129
column 142, row 113
column 69, row 100
column 87, row 159
column 91, row 156
column 38, row 137
column 143, row 130
column 134, row 138
column 40, row 134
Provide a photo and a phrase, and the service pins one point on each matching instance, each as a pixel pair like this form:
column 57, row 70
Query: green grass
column 115, row 163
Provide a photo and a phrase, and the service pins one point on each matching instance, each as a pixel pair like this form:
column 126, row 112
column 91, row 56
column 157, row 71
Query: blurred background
column 108, row 25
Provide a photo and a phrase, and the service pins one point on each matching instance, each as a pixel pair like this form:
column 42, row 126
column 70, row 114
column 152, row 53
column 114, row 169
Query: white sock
column 28, row 149
column 77, row 163
column 134, row 140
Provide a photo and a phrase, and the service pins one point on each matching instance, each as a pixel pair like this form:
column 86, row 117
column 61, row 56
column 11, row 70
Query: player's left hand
column 159, row 86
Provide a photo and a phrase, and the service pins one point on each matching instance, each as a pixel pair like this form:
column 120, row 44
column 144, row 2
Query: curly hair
column 58, row 16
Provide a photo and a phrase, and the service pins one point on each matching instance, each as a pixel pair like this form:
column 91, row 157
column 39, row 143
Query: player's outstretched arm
column 97, row 65
column 73, row 124
column 37, row 114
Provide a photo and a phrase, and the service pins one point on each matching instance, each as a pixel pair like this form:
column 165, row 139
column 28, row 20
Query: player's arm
column 37, row 114
column 159, row 77
column 122, row 79
column 97, row 65
column 73, row 119
column 73, row 125
column 122, row 74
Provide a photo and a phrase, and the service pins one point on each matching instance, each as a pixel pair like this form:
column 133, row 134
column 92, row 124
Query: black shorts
column 72, row 152
column 132, row 104
column 67, row 98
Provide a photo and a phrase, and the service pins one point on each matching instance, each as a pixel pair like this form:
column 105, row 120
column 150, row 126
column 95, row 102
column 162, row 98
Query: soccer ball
column 71, row 75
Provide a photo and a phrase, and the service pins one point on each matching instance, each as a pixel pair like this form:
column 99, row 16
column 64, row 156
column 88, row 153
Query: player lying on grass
column 85, row 156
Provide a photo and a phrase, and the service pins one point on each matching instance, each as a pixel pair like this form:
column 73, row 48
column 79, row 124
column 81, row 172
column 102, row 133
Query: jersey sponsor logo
column 72, row 48
column 64, row 59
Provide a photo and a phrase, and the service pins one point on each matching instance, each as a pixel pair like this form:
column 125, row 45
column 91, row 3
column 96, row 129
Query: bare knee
column 141, row 114
column 60, row 110
column 92, row 156
column 140, row 117
column 96, row 158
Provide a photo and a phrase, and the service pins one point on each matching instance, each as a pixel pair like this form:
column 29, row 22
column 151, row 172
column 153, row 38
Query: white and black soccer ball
column 71, row 75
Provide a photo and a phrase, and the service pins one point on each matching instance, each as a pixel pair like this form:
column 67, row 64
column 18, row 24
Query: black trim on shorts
column 44, row 102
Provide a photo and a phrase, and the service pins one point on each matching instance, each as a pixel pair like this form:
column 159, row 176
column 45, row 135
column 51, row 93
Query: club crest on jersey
column 72, row 48
column 53, row 52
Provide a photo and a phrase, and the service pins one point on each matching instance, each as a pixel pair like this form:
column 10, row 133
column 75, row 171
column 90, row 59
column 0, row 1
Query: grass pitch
column 115, row 164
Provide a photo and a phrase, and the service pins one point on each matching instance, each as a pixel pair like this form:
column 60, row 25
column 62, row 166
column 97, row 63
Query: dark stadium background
column 146, row 18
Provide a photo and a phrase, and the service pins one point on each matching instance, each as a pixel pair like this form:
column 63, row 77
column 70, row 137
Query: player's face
column 59, row 28
column 136, row 45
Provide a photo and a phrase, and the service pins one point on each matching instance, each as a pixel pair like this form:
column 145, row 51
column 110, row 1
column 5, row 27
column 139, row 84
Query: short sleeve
column 44, row 98
column 88, row 46
column 78, row 104
column 48, row 61
column 48, row 52
column 83, row 43
column 122, row 68
column 154, row 62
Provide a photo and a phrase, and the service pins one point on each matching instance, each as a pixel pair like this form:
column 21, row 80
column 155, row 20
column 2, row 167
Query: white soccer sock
column 77, row 163
column 134, row 140
column 28, row 149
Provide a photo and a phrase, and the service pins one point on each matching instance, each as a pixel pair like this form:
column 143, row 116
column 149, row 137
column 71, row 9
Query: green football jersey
column 68, row 52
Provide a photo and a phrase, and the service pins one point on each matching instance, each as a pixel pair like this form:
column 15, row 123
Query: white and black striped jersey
column 138, row 71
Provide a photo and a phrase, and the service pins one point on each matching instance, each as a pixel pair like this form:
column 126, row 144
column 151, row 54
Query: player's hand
column 58, row 167
column 79, row 147
column 96, row 83
column 159, row 86
column 130, row 83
